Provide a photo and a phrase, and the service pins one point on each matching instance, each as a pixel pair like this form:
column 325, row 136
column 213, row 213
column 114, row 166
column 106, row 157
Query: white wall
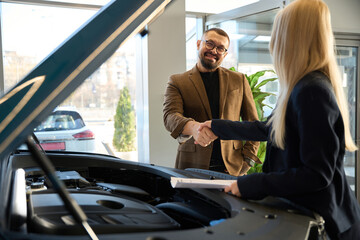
column 345, row 16
column 165, row 55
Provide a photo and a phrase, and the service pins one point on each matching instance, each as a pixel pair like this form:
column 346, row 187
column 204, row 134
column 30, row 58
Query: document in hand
column 199, row 183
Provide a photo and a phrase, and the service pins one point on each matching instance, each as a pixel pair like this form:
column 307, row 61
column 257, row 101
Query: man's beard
column 207, row 64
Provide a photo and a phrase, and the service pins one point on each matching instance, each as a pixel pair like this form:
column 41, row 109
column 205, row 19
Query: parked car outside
column 65, row 130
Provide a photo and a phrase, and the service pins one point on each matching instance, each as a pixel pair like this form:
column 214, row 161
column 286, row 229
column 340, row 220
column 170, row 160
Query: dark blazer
column 310, row 170
column 186, row 100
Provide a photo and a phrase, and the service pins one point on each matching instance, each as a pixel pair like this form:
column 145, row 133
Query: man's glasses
column 219, row 49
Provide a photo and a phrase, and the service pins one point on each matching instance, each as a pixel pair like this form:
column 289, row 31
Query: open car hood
column 55, row 78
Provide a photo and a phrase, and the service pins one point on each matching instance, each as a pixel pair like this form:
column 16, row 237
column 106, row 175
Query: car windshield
column 61, row 120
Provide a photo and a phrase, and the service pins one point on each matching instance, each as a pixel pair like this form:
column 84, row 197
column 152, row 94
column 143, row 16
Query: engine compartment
column 121, row 199
column 131, row 200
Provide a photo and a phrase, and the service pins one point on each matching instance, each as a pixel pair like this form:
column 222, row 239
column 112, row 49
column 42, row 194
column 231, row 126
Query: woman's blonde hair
column 302, row 41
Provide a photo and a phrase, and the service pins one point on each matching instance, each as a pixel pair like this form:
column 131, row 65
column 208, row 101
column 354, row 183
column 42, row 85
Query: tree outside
column 124, row 123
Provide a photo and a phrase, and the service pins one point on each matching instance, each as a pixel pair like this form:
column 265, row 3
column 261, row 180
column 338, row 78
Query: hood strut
column 71, row 205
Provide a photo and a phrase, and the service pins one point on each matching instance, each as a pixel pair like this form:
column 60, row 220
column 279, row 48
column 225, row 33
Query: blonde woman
column 308, row 131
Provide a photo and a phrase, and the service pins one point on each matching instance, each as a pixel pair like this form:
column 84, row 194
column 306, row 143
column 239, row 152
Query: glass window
column 347, row 60
column 30, row 33
column 249, row 49
column 61, row 120
column 191, row 39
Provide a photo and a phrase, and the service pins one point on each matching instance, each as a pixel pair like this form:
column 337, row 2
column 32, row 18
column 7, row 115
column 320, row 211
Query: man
column 206, row 92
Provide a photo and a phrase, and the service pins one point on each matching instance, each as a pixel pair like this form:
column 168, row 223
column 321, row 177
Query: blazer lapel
column 195, row 77
column 223, row 85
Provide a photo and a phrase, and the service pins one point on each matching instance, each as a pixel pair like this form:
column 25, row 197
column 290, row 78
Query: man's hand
column 191, row 128
column 205, row 135
column 206, row 124
column 201, row 133
column 234, row 189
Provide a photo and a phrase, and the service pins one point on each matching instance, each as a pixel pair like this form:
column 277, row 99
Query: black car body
column 106, row 197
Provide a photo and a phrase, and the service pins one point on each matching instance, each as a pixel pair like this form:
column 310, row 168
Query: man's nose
column 214, row 50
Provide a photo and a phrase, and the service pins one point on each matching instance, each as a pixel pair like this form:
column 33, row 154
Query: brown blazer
column 186, row 100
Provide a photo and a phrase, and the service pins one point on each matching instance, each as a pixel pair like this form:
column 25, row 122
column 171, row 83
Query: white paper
column 199, row 183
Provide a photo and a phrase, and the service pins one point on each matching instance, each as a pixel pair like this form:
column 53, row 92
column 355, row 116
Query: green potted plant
column 259, row 97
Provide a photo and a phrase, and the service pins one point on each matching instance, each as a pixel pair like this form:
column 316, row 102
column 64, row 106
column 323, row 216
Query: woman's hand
column 206, row 124
column 234, row 189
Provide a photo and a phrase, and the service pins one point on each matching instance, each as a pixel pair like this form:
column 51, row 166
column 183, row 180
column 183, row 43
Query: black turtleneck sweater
column 211, row 82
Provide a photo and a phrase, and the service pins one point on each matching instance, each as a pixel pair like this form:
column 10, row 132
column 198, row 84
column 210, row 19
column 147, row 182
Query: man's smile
column 211, row 56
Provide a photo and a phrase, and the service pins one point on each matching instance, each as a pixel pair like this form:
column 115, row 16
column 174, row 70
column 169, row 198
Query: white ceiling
column 198, row 6
column 94, row 2
column 215, row 6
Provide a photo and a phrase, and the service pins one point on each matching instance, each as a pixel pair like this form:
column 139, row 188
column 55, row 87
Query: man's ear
column 198, row 44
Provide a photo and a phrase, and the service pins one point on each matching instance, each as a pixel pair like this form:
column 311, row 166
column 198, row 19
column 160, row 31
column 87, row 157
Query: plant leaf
column 259, row 110
column 254, row 78
column 265, row 105
column 258, row 93
column 259, row 97
column 265, row 81
column 261, row 94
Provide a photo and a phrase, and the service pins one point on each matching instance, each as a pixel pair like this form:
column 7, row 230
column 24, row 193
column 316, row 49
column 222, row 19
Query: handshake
column 202, row 133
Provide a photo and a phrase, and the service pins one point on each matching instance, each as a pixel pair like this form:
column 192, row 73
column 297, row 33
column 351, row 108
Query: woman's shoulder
column 315, row 86
column 314, row 82
column 314, row 79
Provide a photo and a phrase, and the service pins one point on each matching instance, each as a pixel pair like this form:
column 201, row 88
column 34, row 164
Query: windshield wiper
column 70, row 204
